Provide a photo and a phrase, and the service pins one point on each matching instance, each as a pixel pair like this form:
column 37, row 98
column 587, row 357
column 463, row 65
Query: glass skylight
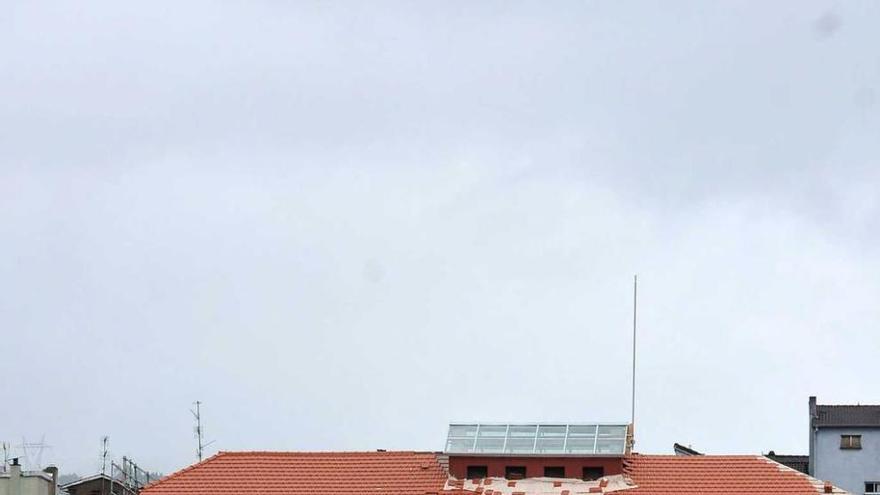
column 534, row 438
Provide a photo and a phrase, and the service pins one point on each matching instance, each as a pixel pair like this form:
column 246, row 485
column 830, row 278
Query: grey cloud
column 342, row 226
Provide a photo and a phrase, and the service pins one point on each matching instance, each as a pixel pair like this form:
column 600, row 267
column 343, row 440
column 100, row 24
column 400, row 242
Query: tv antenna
column 104, row 444
column 199, row 431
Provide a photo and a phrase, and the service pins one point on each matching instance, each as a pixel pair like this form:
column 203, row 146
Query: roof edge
column 818, row 484
column 325, row 452
column 181, row 471
column 847, row 405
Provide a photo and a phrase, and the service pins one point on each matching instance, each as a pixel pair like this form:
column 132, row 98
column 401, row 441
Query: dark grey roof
column 682, row 450
column 847, row 416
column 798, row 462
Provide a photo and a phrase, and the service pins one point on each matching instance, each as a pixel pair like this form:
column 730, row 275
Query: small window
column 872, row 487
column 554, row 471
column 592, row 473
column 515, row 472
column 477, row 472
column 851, row 442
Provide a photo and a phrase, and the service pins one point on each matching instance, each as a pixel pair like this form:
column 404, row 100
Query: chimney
column 15, row 478
column 52, row 470
column 811, row 463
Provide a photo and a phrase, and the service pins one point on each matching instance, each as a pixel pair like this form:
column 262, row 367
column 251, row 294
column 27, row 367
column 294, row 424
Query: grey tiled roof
column 847, row 416
column 798, row 462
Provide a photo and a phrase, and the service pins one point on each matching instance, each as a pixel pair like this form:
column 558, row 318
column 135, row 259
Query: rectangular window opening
column 592, row 473
column 872, row 487
column 853, row 442
column 477, row 472
column 515, row 472
column 554, row 471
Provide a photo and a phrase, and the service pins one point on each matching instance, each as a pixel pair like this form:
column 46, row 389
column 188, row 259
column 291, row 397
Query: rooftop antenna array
column 199, row 431
column 129, row 476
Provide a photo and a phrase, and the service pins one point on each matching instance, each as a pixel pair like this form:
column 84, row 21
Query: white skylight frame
column 574, row 439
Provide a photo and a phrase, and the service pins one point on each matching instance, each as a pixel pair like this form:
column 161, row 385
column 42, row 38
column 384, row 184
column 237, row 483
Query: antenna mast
column 200, row 433
column 635, row 314
column 198, row 415
column 104, row 441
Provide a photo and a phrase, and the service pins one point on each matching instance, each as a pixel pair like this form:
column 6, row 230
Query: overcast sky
column 344, row 225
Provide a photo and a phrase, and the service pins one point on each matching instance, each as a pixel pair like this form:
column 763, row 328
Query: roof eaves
column 85, row 479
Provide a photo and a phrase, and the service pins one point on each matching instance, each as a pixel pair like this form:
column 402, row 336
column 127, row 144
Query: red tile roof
column 716, row 475
column 312, row 473
column 420, row 473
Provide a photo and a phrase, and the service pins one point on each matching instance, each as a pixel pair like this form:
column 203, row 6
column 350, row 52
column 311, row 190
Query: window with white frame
column 872, row 487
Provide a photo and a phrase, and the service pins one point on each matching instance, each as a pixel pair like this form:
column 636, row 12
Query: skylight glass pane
column 581, row 445
column 610, row 446
column 523, row 430
column 551, row 431
column 582, row 431
column 462, row 430
column 612, row 431
column 520, row 445
column 548, row 445
column 490, row 444
column 459, row 445
column 492, row 431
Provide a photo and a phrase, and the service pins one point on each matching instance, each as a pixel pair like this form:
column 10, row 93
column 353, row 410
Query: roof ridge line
column 847, row 405
column 324, row 452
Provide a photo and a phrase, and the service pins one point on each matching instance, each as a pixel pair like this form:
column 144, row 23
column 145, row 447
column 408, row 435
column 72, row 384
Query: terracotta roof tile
column 420, row 473
column 313, row 473
column 716, row 475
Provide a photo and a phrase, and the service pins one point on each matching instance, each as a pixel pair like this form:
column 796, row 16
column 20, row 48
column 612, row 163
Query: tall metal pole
column 104, row 441
column 635, row 315
column 104, row 490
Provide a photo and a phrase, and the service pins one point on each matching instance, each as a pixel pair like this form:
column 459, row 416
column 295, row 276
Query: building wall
column 99, row 486
column 15, row 483
column 534, row 465
column 848, row 469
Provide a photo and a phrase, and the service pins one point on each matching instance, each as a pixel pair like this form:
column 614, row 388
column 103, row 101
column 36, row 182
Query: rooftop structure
column 797, row 462
column 537, row 439
column 15, row 481
column 845, row 445
column 98, row 484
column 680, row 449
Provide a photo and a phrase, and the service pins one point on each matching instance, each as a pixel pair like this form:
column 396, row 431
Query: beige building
column 14, row 481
